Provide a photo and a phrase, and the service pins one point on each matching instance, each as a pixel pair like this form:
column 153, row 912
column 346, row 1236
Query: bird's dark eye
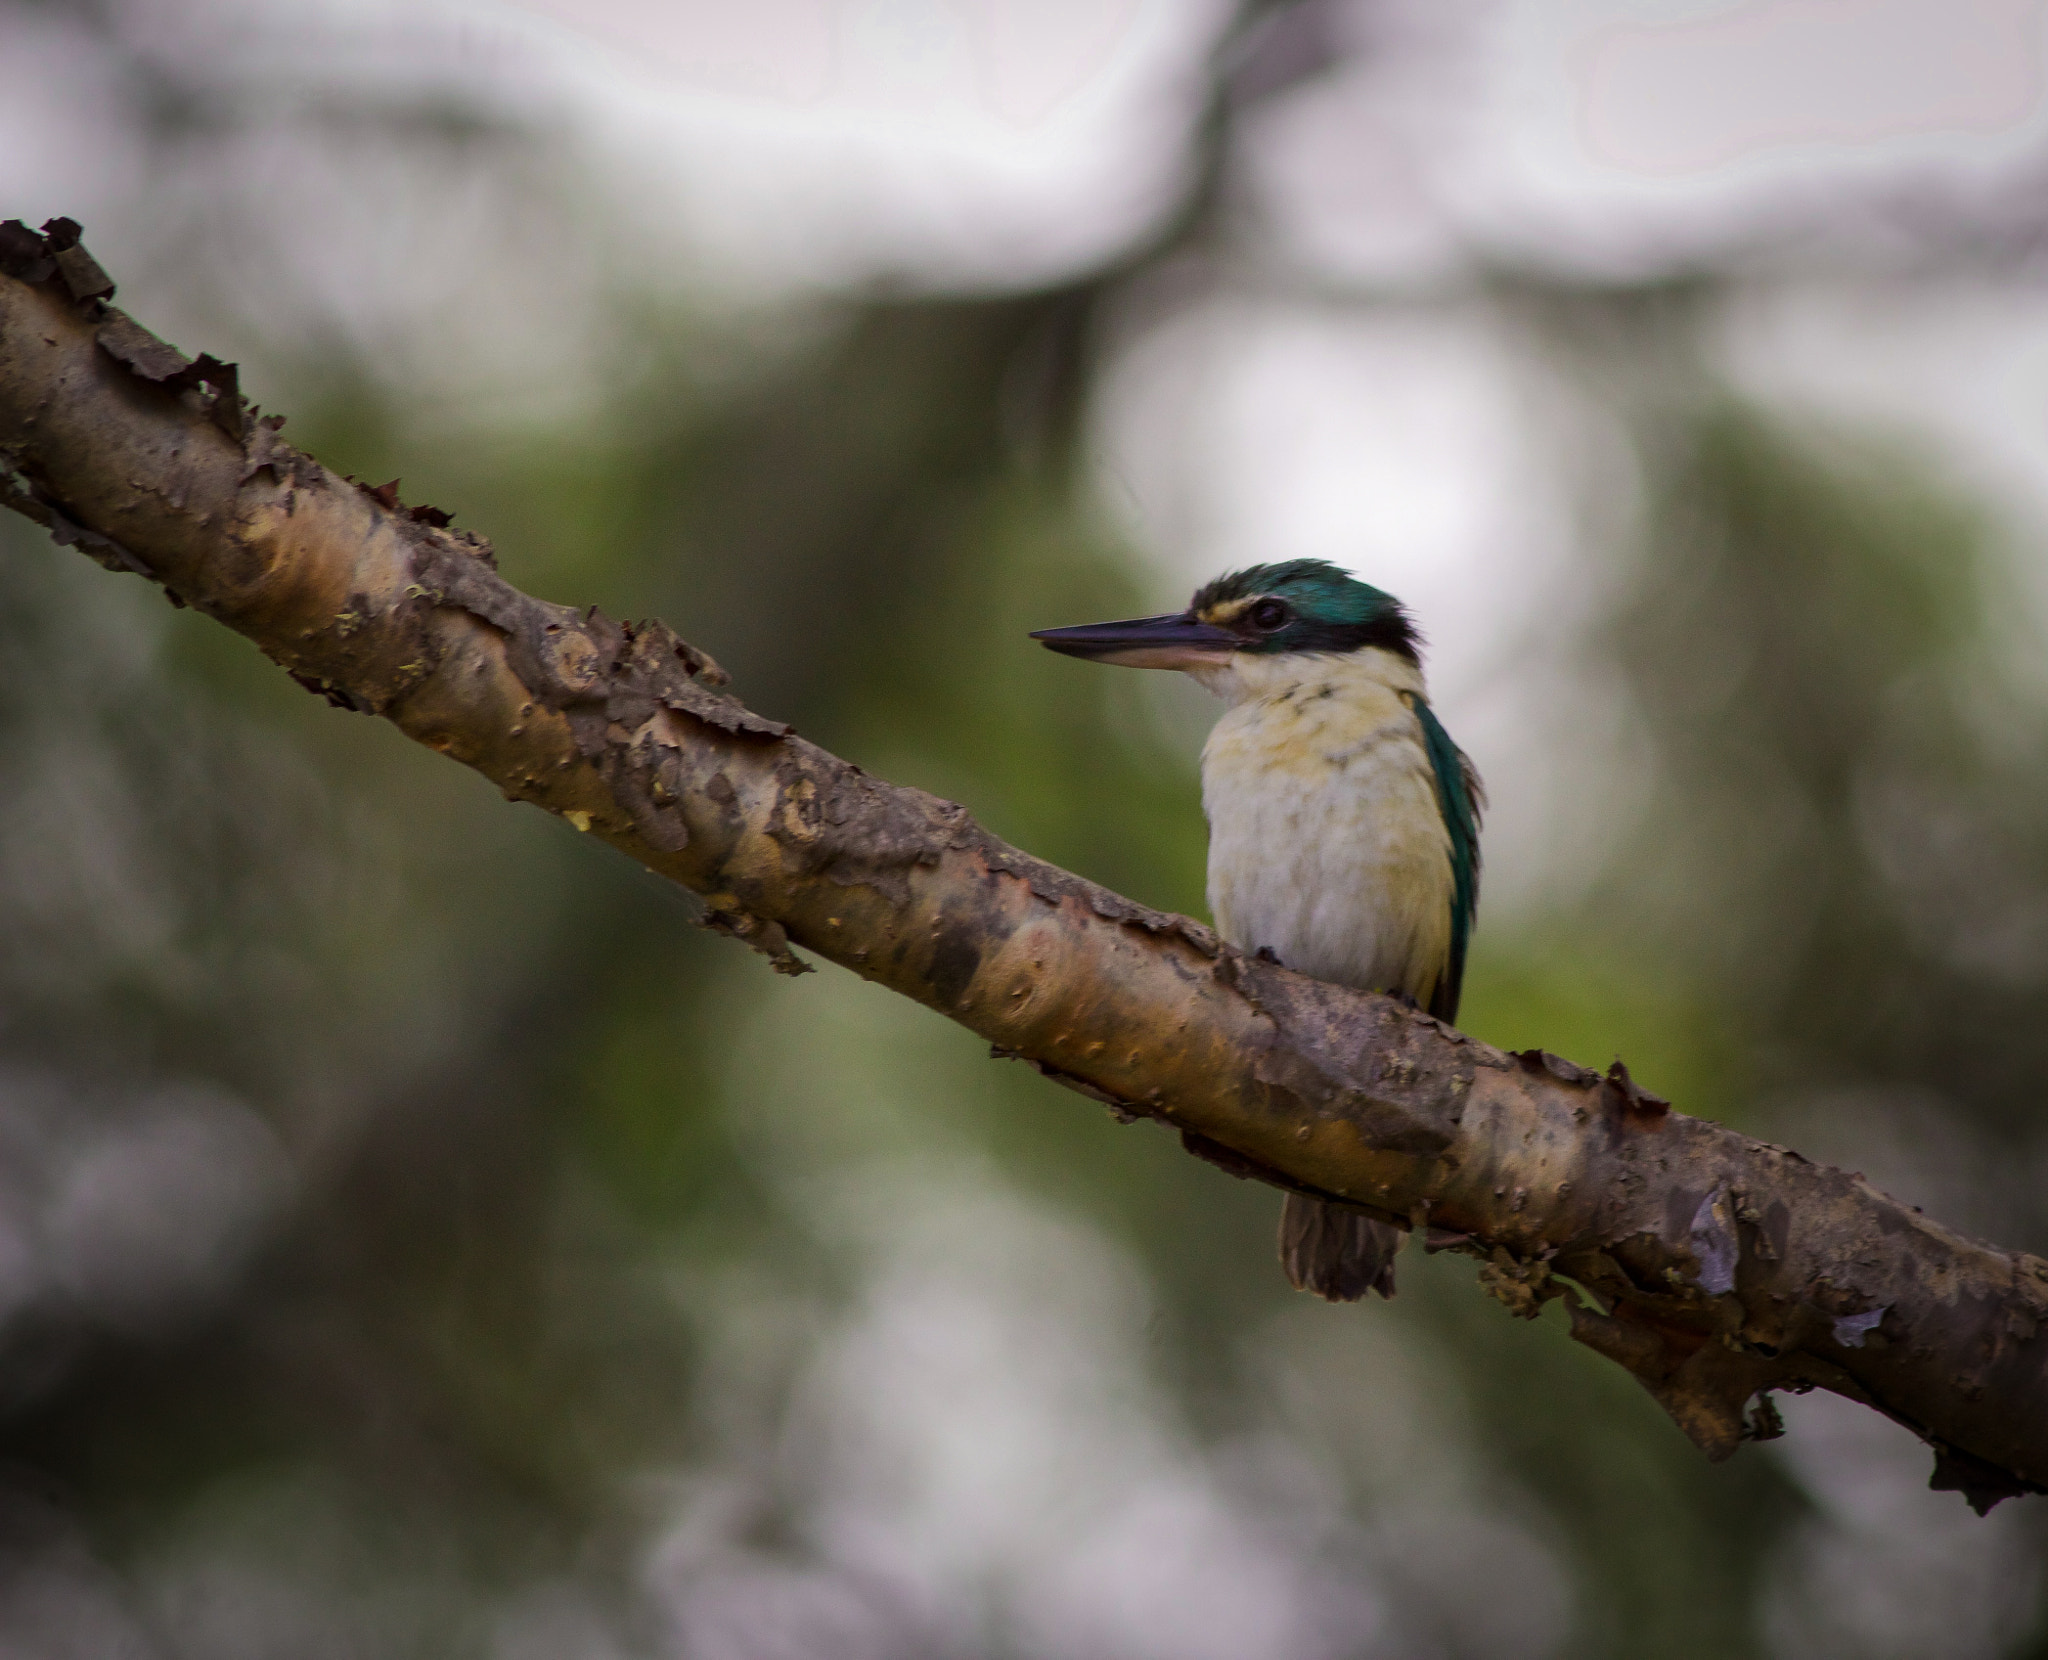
column 1268, row 615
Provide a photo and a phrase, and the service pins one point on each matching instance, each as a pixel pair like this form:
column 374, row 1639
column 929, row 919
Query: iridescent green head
column 1303, row 605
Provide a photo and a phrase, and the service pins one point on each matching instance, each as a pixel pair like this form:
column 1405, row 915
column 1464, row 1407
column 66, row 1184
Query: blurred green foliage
column 567, row 1328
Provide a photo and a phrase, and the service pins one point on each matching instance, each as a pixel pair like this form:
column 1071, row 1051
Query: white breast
column 1326, row 843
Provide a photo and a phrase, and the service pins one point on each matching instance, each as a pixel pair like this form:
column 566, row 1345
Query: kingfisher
column 1343, row 821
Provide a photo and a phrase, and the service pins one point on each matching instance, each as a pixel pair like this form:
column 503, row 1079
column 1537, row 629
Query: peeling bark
column 1714, row 1268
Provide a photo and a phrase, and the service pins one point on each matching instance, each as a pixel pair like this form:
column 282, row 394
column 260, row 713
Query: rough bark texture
column 1713, row 1267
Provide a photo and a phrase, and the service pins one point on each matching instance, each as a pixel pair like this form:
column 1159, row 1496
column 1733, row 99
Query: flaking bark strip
column 264, row 451
column 1982, row 1485
column 146, row 357
column 1124, row 1112
column 25, row 254
column 1556, row 1066
column 128, row 343
column 726, row 916
column 1630, row 1096
column 1232, row 1162
column 25, row 499
column 82, row 275
column 1054, row 885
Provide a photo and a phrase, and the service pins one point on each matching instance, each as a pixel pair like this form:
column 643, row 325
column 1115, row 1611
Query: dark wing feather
column 1462, row 798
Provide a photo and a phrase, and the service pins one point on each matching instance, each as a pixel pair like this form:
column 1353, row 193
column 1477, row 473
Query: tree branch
column 1712, row 1267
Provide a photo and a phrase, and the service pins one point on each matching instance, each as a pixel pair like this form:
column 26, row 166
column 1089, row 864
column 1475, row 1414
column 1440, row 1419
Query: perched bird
column 1343, row 822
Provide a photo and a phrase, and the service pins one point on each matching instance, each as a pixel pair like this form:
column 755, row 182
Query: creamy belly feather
column 1326, row 845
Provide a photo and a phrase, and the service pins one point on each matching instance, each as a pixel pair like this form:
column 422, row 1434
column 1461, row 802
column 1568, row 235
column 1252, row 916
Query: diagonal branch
column 1713, row 1267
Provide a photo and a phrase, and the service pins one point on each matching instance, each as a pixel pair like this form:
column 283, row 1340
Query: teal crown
column 1305, row 605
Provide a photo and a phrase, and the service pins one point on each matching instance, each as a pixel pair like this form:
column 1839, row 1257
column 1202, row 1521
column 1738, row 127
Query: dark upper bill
column 1175, row 642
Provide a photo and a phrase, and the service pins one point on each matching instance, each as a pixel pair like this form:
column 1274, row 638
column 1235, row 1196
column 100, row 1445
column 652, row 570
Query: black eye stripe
column 1268, row 614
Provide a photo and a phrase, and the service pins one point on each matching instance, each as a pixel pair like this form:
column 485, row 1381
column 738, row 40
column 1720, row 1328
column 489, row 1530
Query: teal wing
column 1461, row 797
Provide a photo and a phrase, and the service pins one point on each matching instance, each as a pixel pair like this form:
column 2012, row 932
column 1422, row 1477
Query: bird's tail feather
column 1335, row 1252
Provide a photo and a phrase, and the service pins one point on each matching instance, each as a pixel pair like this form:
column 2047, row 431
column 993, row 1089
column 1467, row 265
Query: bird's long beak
column 1176, row 642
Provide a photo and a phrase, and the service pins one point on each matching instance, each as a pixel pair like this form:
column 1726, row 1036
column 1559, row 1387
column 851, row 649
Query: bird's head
column 1302, row 607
